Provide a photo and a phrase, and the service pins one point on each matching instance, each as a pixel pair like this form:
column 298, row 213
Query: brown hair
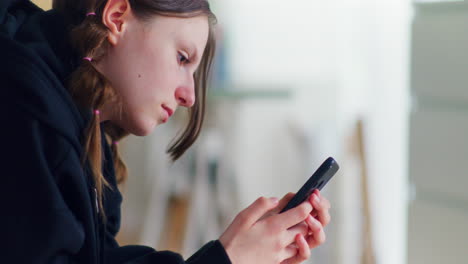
column 90, row 89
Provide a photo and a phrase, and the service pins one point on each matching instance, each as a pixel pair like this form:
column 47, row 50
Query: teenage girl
column 77, row 79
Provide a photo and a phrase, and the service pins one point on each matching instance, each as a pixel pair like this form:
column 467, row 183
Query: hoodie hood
column 37, row 55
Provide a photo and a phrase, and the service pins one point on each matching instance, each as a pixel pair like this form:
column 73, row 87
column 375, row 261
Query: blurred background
column 378, row 84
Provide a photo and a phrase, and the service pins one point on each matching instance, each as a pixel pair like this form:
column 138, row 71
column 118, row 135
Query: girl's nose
column 185, row 94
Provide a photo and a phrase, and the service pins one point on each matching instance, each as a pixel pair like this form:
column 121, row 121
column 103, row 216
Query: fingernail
column 274, row 199
column 316, row 198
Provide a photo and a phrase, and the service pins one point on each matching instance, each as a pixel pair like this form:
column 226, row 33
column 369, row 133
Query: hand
column 320, row 218
column 316, row 221
column 253, row 238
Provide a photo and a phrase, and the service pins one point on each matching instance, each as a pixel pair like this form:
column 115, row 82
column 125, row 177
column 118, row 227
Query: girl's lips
column 169, row 113
column 168, row 110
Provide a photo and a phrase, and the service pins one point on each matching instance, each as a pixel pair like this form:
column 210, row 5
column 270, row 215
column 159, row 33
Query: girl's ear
column 115, row 17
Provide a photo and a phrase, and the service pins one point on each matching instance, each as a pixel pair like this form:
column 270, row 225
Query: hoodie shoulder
column 28, row 83
column 13, row 13
column 36, row 62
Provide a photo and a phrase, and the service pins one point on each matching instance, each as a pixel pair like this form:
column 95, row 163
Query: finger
column 257, row 209
column 318, row 235
column 289, row 253
column 320, row 206
column 317, row 191
column 324, row 200
column 281, row 204
column 302, row 251
column 294, row 216
column 301, row 228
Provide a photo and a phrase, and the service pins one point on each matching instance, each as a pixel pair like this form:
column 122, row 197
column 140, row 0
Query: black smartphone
column 317, row 181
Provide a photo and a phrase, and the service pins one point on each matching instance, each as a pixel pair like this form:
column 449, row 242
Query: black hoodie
column 47, row 199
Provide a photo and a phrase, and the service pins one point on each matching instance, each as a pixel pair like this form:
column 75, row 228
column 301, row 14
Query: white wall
column 343, row 60
column 376, row 52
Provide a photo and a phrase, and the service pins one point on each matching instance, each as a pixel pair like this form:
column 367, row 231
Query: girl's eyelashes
column 182, row 58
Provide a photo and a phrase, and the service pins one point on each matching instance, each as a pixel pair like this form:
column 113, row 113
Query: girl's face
column 150, row 64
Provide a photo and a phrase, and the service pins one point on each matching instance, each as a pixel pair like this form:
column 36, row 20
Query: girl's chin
column 143, row 128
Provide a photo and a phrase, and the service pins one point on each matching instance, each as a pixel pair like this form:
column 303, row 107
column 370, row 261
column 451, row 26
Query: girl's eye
column 183, row 59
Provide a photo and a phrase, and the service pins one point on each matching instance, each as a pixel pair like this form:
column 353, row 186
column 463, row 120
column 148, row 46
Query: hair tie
column 96, row 112
column 88, row 59
column 90, row 14
column 116, row 142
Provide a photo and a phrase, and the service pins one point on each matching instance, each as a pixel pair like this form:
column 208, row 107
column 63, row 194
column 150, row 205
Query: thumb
column 257, row 209
column 281, row 204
